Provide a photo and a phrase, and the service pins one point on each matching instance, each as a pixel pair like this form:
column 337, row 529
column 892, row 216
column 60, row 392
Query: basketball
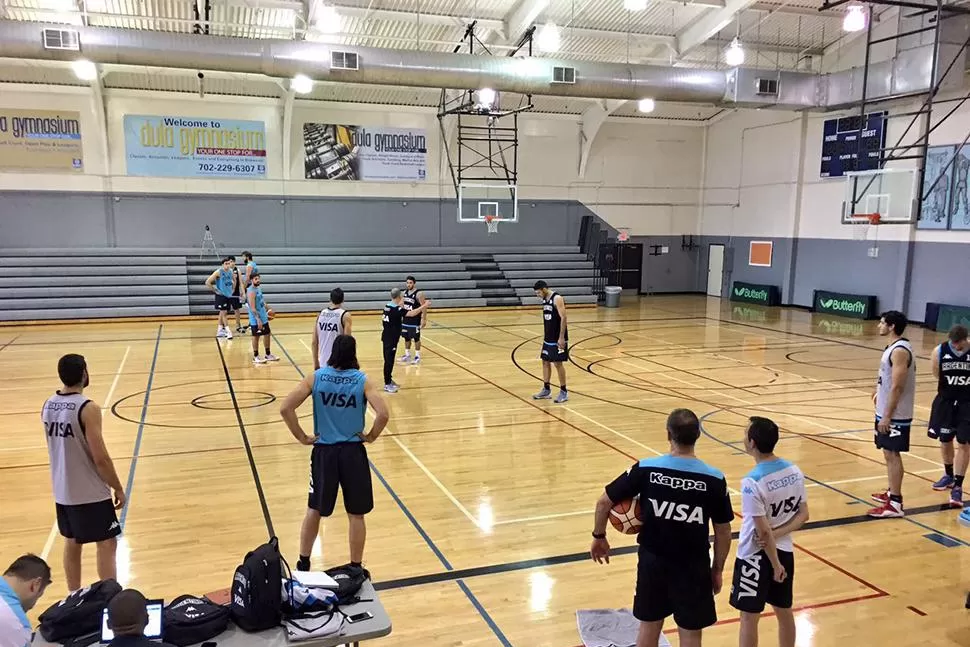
column 271, row 314
column 625, row 516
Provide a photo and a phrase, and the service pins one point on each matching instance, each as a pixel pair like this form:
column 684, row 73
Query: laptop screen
column 154, row 629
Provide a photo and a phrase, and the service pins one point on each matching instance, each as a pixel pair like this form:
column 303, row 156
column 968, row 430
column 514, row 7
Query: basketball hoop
column 492, row 223
column 864, row 222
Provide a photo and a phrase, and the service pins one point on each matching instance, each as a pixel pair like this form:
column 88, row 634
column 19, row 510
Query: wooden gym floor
column 483, row 497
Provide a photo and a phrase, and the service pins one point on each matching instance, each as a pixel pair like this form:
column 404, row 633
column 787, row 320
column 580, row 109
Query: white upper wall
column 645, row 175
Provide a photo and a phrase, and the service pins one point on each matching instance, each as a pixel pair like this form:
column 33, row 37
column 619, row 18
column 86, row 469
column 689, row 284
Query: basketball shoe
column 945, row 483
column 956, row 497
column 562, row 397
column 888, row 510
column 544, row 394
column 882, row 498
column 270, row 357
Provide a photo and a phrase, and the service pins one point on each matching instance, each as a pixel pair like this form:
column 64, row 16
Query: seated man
column 127, row 618
column 20, row 588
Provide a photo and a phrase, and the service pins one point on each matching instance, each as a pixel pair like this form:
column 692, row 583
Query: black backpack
column 257, row 589
column 79, row 614
column 349, row 579
column 189, row 620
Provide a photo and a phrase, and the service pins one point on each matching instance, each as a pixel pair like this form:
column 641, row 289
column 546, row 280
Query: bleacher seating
column 102, row 283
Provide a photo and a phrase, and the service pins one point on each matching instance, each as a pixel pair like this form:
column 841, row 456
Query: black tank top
column 954, row 374
column 409, row 300
column 551, row 321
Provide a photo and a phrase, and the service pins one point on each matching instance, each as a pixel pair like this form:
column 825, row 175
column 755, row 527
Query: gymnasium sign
column 341, row 152
column 163, row 146
column 41, row 140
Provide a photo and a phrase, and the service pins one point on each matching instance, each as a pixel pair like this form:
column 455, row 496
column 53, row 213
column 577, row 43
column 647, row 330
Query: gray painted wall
column 940, row 274
column 844, row 266
column 675, row 271
column 96, row 220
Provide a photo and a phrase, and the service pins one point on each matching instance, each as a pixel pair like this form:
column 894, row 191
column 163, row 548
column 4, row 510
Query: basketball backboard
column 500, row 201
column 888, row 192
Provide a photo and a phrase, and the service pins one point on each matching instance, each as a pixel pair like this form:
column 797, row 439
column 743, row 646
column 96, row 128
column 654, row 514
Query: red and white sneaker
column 881, row 498
column 888, row 510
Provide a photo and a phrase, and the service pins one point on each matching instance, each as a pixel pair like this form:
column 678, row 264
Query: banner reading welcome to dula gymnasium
column 33, row 140
column 375, row 154
column 164, row 146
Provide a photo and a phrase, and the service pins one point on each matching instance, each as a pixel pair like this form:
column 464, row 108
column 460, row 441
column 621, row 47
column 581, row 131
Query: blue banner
column 163, row 146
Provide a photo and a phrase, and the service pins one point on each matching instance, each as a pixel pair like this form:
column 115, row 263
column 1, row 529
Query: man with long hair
column 341, row 393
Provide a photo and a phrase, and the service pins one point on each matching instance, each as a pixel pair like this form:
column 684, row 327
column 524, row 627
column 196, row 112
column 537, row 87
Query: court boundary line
column 130, row 485
column 422, row 533
column 248, row 447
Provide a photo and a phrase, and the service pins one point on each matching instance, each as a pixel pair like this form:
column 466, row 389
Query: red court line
column 916, row 611
column 858, row 579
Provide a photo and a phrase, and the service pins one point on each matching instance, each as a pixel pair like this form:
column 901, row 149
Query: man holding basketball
column 680, row 496
column 259, row 320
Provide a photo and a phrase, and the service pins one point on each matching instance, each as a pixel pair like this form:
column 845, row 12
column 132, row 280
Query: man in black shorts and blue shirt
column 555, row 341
column 680, row 496
column 773, row 505
column 950, row 415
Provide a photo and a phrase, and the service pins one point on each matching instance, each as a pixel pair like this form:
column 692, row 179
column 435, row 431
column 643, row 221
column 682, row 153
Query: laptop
column 154, row 629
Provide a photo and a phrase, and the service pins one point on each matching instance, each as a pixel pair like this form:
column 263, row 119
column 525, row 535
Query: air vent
column 766, row 87
column 343, row 61
column 564, row 75
column 65, row 39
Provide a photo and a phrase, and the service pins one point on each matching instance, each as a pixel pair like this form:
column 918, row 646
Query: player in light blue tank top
column 339, row 404
column 338, row 461
column 221, row 284
column 259, row 320
column 252, row 268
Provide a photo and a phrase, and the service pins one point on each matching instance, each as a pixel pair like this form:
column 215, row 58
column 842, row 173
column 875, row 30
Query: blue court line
column 424, row 535
column 942, row 540
column 141, row 429
column 830, row 487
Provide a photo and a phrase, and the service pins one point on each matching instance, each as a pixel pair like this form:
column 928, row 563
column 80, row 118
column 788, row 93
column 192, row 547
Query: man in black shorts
column 680, row 496
column 773, row 505
column 555, row 341
column 82, row 472
column 950, row 415
column 341, row 393
column 235, row 301
column 411, row 330
column 220, row 282
column 393, row 320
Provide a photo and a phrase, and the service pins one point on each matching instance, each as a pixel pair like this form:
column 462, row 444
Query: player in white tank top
column 894, row 400
column 331, row 322
column 82, row 473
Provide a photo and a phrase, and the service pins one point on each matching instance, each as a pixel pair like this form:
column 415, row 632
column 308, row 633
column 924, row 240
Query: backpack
column 78, row 614
column 349, row 579
column 189, row 620
column 257, row 589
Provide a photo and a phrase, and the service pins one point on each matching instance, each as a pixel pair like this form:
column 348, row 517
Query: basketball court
column 484, row 497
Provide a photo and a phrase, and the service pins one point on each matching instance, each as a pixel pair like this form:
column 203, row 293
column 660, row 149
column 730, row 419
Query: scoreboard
column 844, row 150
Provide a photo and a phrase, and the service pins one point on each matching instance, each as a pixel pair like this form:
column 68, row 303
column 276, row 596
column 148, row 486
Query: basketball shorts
column 411, row 334
column 551, row 353
column 88, row 522
column 672, row 587
column 754, row 584
column 255, row 330
column 223, row 303
column 897, row 440
column 343, row 467
column 949, row 419
column 234, row 303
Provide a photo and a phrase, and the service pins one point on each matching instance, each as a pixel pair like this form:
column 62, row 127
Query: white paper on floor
column 610, row 628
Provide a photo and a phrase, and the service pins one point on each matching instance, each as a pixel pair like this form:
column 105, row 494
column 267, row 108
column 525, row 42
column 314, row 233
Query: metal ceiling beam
column 709, row 24
column 521, row 17
column 426, row 18
column 670, row 42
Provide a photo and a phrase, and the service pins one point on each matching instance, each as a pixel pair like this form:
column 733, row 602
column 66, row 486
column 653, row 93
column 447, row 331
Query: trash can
column 613, row 293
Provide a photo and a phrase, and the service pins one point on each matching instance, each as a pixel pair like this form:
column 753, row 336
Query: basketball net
column 866, row 226
column 492, row 223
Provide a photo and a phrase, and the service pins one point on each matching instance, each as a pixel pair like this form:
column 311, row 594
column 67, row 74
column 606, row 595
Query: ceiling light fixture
column 734, row 54
column 486, row 97
column 548, row 39
column 85, row 70
column 646, row 105
column 855, row 18
column 326, row 19
column 301, row 84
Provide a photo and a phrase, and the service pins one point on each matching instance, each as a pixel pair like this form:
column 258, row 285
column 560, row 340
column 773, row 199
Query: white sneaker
column 228, row 333
column 270, row 357
column 405, row 358
column 258, row 360
column 391, row 388
column 417, row 359
column 220, row 332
